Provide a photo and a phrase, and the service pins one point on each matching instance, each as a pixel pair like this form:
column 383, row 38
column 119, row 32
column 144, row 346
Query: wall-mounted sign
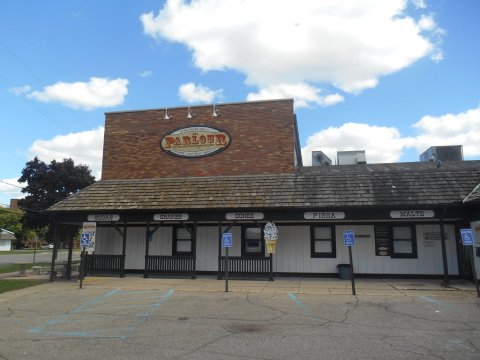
column 325, row 215
column 411, row 214
column 195, row 141
column 244, row 216
column 434, row 235
column 90, row 228
column 382, row 240
column 103, row 217
column 170, row 217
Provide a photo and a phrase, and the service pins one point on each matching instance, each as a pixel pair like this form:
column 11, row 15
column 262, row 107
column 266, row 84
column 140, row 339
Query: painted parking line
column 428, row 299
column 304, row 307
column 98, row 319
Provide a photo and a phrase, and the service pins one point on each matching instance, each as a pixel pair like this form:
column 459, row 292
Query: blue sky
column 391, row 77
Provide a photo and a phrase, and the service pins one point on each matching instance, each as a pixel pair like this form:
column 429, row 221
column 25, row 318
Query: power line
column 16, row 57
column 34, row 105
column 20, row 187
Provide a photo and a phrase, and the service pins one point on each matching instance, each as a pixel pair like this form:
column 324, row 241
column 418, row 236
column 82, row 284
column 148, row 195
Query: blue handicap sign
column 349, row 238
column 227, row 240
column 85, row 239
column 467, row 236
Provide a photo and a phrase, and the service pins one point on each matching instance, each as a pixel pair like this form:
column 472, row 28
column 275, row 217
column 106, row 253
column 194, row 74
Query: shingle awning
column 369, row 185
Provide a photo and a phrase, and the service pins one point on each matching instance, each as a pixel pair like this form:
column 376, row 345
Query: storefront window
column 182, row 241
column 252, row 241
column 323, row 241
column 404, row 244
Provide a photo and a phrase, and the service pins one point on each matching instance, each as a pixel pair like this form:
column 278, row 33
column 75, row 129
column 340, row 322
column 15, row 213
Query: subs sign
column 195, row 141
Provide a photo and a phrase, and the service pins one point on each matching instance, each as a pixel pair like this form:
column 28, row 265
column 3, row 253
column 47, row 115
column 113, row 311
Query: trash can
column 344, row 271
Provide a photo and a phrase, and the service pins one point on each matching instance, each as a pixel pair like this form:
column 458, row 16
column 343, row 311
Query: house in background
column 6, row 238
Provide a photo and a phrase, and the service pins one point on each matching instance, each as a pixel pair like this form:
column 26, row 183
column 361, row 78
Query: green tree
column 11, row 221
column 48, row 184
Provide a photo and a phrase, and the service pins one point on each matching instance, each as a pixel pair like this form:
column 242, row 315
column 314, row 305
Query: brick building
column 175, row 180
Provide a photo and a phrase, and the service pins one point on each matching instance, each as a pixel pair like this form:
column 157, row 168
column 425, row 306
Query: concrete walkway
column 297, row 285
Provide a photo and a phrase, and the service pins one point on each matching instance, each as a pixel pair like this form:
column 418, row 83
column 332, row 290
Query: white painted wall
column 207, row 248
column 108, row 241
column 293, row 250
column 135, row 248
column 292, row 253
column 476, row 230
column 161, row 243
column 5, row 245
column 429, row 261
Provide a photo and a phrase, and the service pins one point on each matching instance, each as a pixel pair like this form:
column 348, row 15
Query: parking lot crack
column 407, row 351
column 349, row 311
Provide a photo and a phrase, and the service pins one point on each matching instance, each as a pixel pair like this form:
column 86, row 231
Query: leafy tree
column 12, row 221
column 48, row 184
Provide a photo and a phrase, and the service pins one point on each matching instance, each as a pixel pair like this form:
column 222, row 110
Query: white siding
column 207, row 248
column 108, row 241
column 476, row 231
column 135, row 248
column 161, row 243
column 293, row 254
column 5, row 245
column 429, row 261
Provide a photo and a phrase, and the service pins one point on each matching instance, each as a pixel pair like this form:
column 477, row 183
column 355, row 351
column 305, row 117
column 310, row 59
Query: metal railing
column 247, row 265
column 158, row 265
column 104, row 264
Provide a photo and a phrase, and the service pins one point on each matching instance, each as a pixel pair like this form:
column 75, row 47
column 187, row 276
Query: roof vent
column 319, row 158
column 443, row 153
column 351, row 157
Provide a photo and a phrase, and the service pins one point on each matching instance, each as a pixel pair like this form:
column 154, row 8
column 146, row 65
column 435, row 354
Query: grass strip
column 9, row 268
column 16, row 284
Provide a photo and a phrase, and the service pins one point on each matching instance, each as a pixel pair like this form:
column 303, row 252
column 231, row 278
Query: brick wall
column 262, row 141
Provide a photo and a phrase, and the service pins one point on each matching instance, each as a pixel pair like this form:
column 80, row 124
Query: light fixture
column 189, row 114
column 214, row 112
column 166, row 117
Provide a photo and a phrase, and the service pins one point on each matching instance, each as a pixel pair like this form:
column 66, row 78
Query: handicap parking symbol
column 349, row 238
column 85, row 239
column 467, row 236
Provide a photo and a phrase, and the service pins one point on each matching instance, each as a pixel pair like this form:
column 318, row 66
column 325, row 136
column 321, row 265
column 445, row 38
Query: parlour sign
column 195, row 141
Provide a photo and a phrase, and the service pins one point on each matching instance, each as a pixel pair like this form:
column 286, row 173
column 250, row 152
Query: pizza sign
column 196, row 141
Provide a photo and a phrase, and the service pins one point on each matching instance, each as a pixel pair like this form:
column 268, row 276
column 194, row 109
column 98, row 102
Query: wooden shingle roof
column 401, row 184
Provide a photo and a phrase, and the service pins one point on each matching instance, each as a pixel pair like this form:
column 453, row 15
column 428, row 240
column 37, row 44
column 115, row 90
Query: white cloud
column 385, row 144
column 96, row 93
column 9, row 191
column 193, row 93
column 450, row 129
column 304, row 95
column 381, row 144
column 349, row 44
column 20, row 90
column 83, row 147
column 420, row 4
column 146, row 73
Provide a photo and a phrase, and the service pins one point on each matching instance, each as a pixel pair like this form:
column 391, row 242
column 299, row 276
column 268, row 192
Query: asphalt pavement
column 289, row 318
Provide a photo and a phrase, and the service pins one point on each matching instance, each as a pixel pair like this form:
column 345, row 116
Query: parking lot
column 140, row 318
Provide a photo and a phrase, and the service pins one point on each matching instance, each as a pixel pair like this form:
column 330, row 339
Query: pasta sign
column 195, row 141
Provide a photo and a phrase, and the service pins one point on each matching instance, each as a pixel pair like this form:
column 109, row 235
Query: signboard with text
column 89, row 230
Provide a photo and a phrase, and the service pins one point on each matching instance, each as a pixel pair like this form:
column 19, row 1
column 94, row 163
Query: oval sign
column 195, row 141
